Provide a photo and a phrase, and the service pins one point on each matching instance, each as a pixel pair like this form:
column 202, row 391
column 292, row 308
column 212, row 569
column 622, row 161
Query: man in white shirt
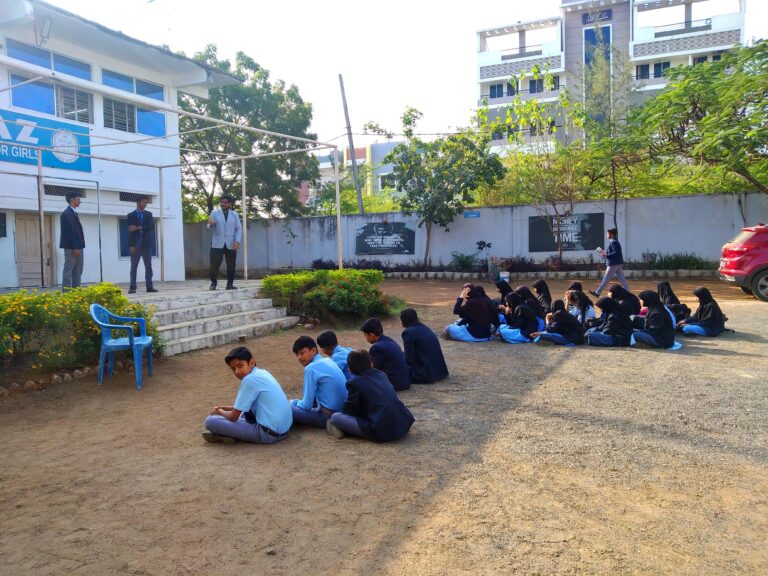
column 227, row 232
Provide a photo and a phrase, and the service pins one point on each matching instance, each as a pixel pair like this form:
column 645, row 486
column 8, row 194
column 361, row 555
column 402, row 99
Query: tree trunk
column 615, row 194
column 426, row 248
column 744, row 173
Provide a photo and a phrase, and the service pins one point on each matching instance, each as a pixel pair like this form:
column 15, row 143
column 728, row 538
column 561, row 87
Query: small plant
column 677, row 261
column 468, row 262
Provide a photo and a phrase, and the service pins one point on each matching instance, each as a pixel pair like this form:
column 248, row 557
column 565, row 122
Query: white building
column 71, row 86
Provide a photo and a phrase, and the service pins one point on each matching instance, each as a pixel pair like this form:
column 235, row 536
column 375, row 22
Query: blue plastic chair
column 109, row 345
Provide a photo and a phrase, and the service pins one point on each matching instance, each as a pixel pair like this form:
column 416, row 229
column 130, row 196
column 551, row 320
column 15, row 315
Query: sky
column 392, row 54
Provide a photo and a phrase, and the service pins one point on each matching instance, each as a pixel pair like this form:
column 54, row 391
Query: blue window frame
column 71, row 67
column 659, row 68
column 150, row 123
column 150, row 90
column 643, row 71
column 497, row 90
column 27, row 53
column 593, row 37
column 511, row 89
column 36, row 96
column 117, row 80
column 536, row 86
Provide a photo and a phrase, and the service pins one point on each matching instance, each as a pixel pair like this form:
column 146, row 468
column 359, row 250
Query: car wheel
column 760, row 285
column 747, row 290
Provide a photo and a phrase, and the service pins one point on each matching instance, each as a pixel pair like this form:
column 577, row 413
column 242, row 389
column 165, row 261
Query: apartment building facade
column 650, row 35
column 94, row 104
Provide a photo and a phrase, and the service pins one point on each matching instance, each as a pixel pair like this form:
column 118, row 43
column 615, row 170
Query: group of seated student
column 346, row 391
column 649, row 319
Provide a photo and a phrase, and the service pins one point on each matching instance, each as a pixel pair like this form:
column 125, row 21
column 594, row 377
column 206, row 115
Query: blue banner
column 20, row 133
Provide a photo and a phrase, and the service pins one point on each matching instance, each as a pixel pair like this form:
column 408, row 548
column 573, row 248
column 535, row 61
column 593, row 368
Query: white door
column 28, row 249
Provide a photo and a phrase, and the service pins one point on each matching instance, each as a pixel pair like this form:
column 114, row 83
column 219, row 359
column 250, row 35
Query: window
column 54, row 190
column 387, row 181
column 699, row 60
column 555, row 82
column 717, row 57
column 37, row 96
column 597, row 37
column 133, row 198
column 536, row 86
column 511, row 89
column 497, row 90
column 119, row 115
column 141, row 120
column 642, row 71
column 46, row 59
column 74, row 104
column 659, row 68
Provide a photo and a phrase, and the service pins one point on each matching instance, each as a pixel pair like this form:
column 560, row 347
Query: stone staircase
column 191, row 317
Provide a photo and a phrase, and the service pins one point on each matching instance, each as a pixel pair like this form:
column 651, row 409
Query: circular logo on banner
column 65, row 146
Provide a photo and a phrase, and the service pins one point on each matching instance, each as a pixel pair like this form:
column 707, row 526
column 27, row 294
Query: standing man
column 614, row 261
column 72, row 241
column 227, row 233
column 141, row 242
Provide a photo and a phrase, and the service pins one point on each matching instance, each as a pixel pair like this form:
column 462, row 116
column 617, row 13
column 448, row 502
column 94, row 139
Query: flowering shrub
column 54, row 330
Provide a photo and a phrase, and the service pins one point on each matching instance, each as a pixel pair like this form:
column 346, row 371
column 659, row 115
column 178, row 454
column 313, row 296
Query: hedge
column 54, row 330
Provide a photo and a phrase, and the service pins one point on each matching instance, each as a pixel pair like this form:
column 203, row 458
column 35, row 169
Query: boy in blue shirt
column 261, row 413
column 325, row 386
column 329, row 345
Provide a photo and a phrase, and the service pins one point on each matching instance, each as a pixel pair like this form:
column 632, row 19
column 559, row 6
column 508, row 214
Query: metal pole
column 98, row 208
column 360, row 206
column 338, row 206
column 159, row 232
column 41, row 214
column 245, row 220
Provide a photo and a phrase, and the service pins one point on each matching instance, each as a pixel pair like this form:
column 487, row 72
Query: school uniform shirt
column 324, row 385
column 260, row 394
column 72, row 237
column 380, row 413
column 387, row 357
column 423, row 354
column 339, row 356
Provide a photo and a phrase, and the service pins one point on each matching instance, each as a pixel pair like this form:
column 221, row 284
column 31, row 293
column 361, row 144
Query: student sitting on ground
column 543, row 294
column 372, row 410
column 671, row 301
column 580, row 306
column 708, row 320
column 615, row 328
column 658, row 328
column 563, row 328
column 386, row 354
column 575, row 285
column 476, row 317
column 465, row 289
column 261, row 413
column 520, row 321
column 325, row 387
column 504, row 288
column 423, row 353
column 628, row 301
column 530, row 300
column 329, row 345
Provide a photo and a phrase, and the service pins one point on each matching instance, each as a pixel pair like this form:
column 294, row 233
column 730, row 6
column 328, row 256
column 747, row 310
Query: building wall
column 691, row 224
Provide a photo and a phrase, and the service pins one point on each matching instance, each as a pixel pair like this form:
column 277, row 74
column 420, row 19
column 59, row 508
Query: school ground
column 528, row 460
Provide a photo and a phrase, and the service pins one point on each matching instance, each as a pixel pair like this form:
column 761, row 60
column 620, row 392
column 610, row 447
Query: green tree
column 437, row 178
column 715, row 114
column 325, row 197
column 272, row 182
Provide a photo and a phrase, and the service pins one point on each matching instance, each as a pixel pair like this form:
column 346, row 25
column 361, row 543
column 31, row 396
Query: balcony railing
column 524, row 95
column 523, row 52
column 683, row 28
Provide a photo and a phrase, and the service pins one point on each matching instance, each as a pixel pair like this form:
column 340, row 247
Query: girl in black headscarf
column 543, row 294
column 563, row 328
column 628, row 301
column 658, row 330
column 708, row 320
column 477, row 316
column 504, row 288
column 520, row 321
column 528, row 298
column 615, row 328
column 671, row 301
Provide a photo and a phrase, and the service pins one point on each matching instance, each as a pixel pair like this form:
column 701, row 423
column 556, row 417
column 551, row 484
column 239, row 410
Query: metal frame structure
column 217, row 123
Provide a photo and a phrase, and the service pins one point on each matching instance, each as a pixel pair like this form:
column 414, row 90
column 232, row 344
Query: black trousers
column 217, row 254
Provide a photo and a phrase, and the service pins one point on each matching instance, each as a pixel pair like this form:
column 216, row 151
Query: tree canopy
column 272, row 182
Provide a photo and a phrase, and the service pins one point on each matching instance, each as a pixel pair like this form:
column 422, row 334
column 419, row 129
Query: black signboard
column 3, row 232
column 578, row 232
column 385, row 238
column 599, row 16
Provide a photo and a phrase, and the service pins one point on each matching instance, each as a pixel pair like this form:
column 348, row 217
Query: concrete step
column 228, row 335
column 210, row 310
column 174, row 301
column 201, row 326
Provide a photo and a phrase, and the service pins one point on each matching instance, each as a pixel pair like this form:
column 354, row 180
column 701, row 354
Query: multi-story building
column 650, row 35
column 375, row 177
column 87, row 108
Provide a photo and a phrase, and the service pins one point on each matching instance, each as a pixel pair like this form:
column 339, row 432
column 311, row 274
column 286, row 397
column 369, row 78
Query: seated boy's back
column 329, row 345
column 423, row 352
column 387, row 355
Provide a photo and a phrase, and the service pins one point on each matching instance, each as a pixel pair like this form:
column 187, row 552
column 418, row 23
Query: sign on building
column 21, row 133
column 384, row 238
column 577, row 231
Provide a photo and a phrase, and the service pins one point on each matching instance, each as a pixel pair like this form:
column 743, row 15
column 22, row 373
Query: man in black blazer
column 141, row 242
column 386, row 354
column 72, row 240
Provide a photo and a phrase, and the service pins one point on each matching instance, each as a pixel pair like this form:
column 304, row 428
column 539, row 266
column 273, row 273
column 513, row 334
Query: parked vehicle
column 744, row 261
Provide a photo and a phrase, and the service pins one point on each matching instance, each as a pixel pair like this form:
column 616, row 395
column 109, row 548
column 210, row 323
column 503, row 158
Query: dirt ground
column 527, row 460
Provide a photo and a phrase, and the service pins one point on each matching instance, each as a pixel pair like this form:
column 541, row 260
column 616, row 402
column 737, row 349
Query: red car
column 744, row 261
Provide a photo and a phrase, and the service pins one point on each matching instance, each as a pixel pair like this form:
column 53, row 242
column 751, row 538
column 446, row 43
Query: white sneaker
column 332, row 430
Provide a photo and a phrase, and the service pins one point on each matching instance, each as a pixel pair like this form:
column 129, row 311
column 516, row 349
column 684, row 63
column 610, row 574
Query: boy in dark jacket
column 386, row 354
column 422, row 350
column 372, row 410
column 614, row 263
